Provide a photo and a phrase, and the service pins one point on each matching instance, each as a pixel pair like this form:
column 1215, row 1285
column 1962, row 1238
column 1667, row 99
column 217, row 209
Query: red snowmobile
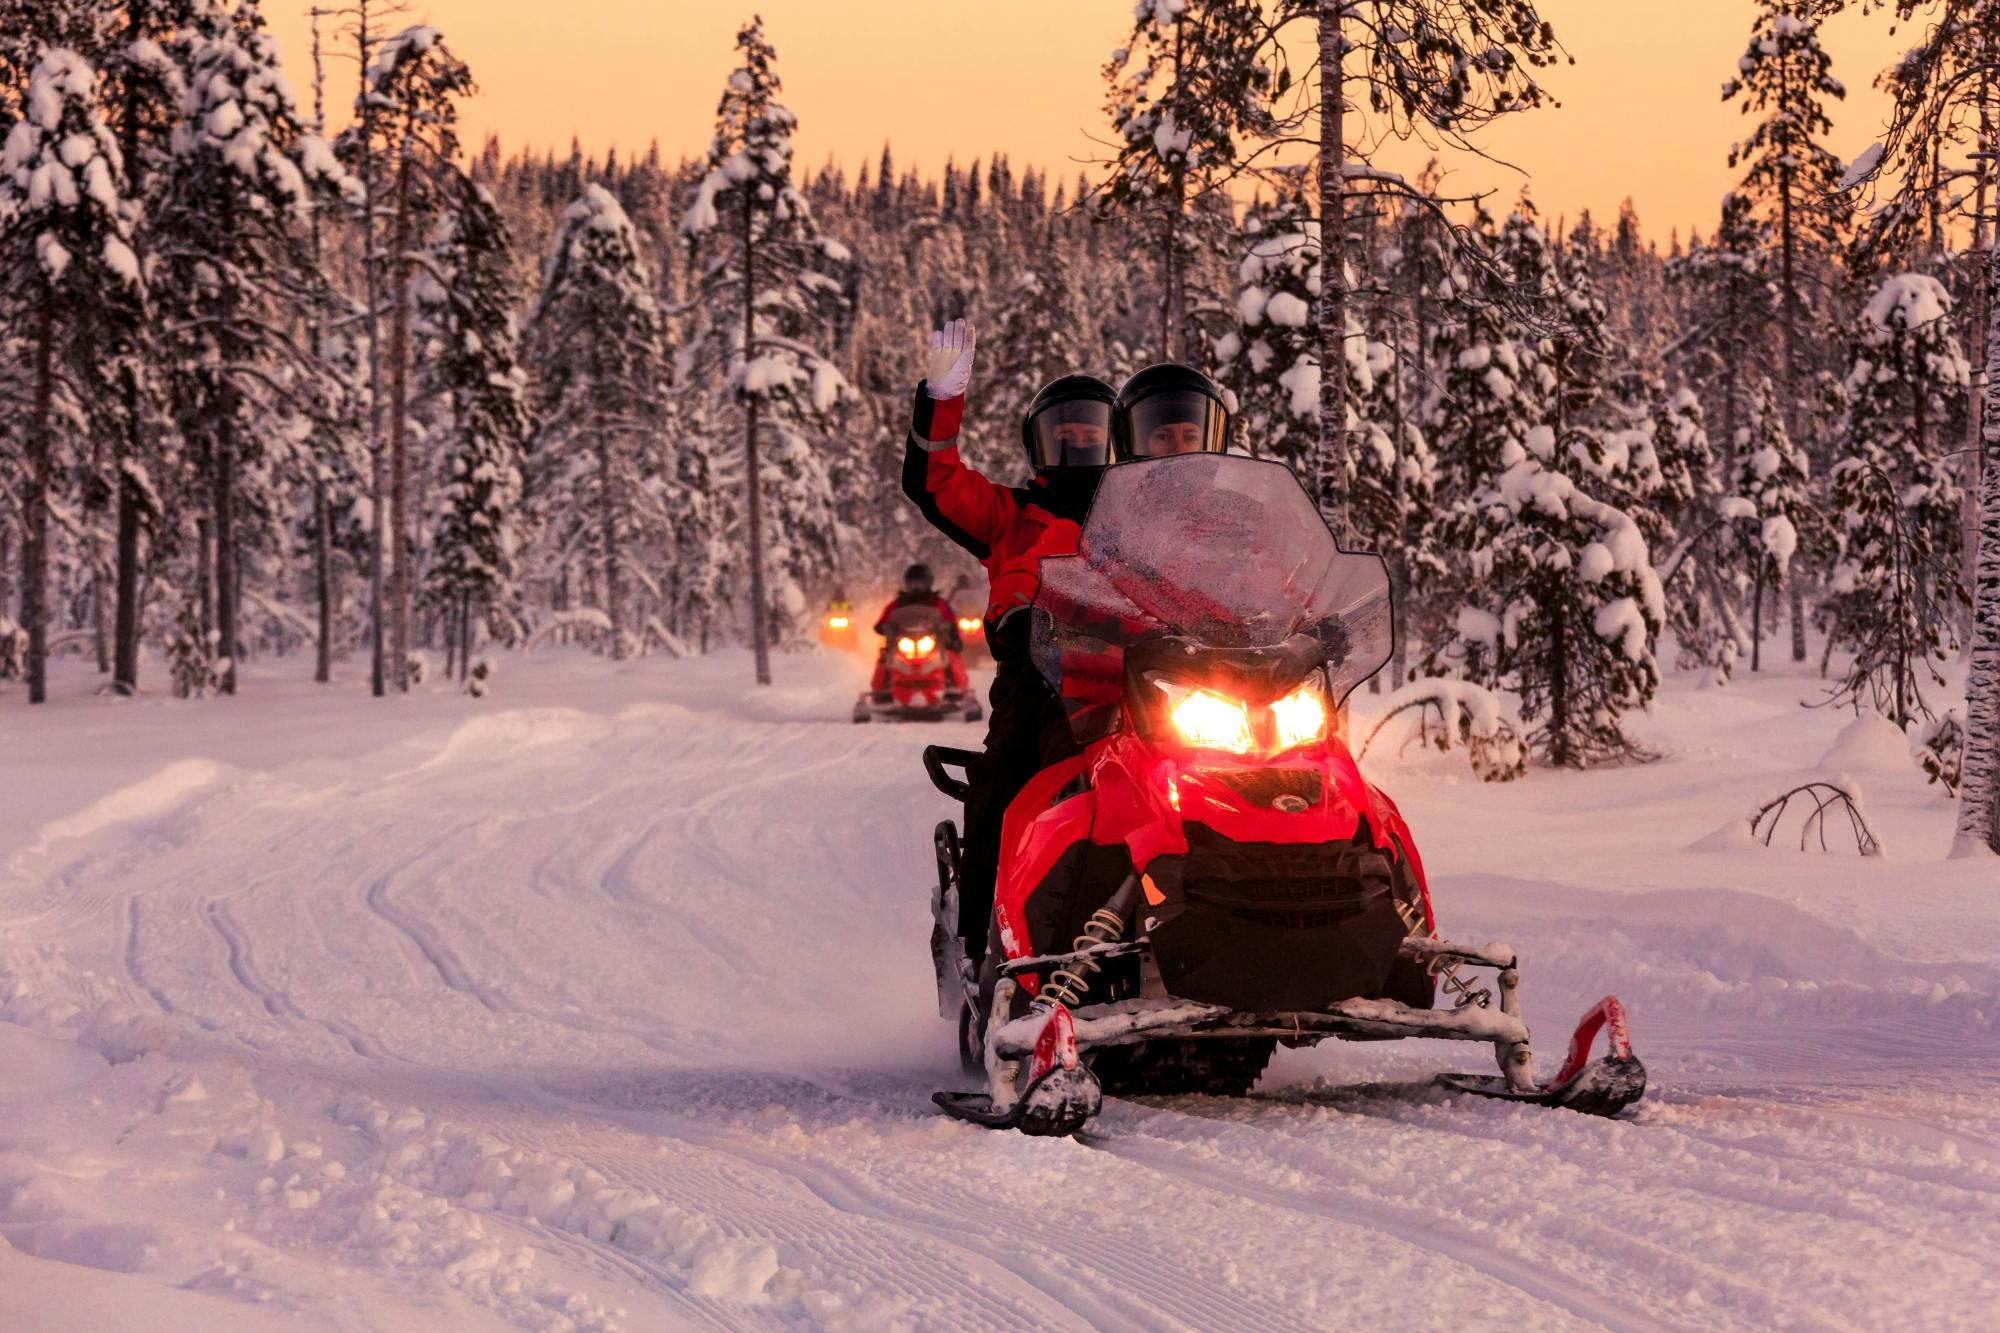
column 919, row 678
column 1213, row 875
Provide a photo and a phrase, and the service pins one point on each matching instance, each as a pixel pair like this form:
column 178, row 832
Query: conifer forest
column 293, row 374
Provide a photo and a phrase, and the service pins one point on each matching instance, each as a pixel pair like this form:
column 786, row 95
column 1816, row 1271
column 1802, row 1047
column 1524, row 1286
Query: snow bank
column 1869, row 743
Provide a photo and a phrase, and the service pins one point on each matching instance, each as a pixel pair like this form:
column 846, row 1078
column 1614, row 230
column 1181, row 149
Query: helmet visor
column 1178, row 421
column 1072, row 434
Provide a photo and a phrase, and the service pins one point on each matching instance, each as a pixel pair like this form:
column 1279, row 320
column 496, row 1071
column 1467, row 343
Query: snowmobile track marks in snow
column 1411, row 1225
column 1626, row 1249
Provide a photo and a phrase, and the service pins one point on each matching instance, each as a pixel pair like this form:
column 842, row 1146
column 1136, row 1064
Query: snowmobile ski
column 1592, row 1087
column 1058, row 1103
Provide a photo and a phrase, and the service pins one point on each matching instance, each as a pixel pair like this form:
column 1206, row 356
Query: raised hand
column 948, row 360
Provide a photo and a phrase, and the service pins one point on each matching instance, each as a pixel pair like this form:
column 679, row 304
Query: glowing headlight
column 1301, row 717
column 1208, row 721
column 836, row 622
column 907, row 646
column 924, row 645
column 968, row 624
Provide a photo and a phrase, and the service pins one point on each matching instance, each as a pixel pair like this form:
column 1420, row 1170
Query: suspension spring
column 1067, row 985
column 1465, row 993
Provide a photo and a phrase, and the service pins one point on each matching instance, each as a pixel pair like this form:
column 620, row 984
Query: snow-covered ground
column 605, row 1002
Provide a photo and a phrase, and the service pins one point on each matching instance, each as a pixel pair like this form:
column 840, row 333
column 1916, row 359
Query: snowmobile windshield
column 1224, row 553
column 916, row 619
column 1072, row 434
column 1177, row 421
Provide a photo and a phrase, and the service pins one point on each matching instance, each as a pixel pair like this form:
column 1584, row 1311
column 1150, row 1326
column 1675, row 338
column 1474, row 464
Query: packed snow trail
column 617, row 1013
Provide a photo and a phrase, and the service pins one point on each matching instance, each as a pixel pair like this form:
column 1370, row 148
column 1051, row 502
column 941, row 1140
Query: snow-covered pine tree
column 466, row 297
column 232, row 275
column 1192, row 78
column 1038, row 333
column 1785, row 77
column 1731, row 307
column 1895, row 500
column 1428, row 68
column 599, row 357
column 1576, row 605
column 142, row 86
column 1941, row 86
column 1772, row 474
column 72, row 297
column 1488, row 393
column 411, row 86
column 1699, row 569
column 1269, row 358
column 766, row 296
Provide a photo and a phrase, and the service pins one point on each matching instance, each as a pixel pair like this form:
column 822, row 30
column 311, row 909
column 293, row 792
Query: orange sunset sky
column 1642, row 113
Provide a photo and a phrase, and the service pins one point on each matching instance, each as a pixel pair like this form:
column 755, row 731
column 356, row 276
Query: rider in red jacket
column 919, row 590
column 1067, row 436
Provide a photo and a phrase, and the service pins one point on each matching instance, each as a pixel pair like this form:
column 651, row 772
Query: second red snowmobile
column 920, row 677
column 1213, row 875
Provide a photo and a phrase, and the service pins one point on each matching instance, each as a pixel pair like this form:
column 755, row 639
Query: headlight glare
column 1208, row 721
column 1300, row 717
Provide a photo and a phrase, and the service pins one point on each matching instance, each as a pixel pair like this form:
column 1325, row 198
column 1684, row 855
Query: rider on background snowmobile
column 919, row 589
column 1066, row 434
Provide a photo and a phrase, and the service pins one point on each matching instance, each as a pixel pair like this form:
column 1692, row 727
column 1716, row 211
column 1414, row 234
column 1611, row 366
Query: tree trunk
column 1560, row 753
column 323, row 579
column 100, row 642
column 399, row 392
column 760, row 634
column 204, row 583
column 377, row 469
column 132, row 451
column 224, row 500
column 322, row 509
column 1757, row 616
column 1976, row 353
column 1788, row 345
column 1979, row 793
column 35, row 507
column 125, row 629
column 1330, row 479
column 614, row 582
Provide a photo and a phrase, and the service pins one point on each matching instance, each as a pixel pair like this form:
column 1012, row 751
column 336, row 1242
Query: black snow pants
column 1026, row 731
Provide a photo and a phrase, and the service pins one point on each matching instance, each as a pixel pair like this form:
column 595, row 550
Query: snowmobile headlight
column 836, row 622
column 924, row 646
column 907, row 646
column 1208, row 721
column 968, row 624
column 1300, row 717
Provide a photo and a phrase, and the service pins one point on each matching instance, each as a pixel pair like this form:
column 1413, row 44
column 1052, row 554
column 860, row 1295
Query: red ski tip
column 1608, row 1016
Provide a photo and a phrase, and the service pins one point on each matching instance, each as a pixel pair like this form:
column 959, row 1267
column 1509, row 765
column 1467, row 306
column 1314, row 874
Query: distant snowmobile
column 1212, row 875
column 972, row 632
column 837, row 629
column 920, row 678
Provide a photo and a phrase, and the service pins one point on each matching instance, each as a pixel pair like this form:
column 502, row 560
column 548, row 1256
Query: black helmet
column 1069, row 423
column 917, row 578
column 1170, row 409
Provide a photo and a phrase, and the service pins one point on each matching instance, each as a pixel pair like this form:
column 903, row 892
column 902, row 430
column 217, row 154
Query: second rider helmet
column 1167, row 409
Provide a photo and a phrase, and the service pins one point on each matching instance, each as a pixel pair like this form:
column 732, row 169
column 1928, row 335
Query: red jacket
column 935, row 603
column 1007, row 528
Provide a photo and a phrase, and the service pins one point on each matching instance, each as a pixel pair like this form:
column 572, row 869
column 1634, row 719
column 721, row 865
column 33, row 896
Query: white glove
column 948, row 360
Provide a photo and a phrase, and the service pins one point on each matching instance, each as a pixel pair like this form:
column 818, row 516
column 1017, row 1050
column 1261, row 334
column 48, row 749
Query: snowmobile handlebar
column 938, row 757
